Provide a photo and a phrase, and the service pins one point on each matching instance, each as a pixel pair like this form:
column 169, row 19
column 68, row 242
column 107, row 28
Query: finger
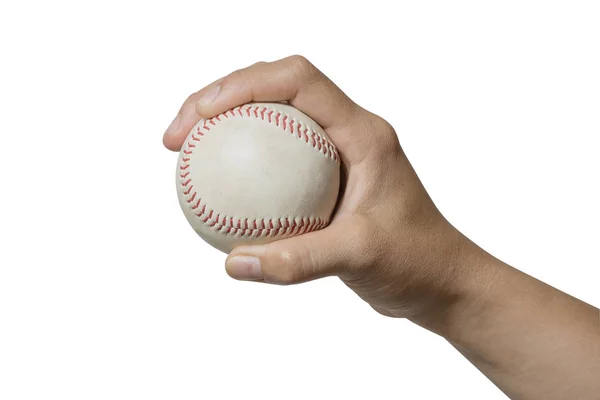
column 184, row 121
column 293, row 79
column 314, row 255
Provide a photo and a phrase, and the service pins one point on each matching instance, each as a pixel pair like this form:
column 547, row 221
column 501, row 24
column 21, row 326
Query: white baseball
column 257, row 173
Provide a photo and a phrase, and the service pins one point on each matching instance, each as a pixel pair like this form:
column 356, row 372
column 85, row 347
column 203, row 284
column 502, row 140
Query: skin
column 389, row 243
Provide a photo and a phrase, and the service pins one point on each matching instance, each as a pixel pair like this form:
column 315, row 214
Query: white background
column 107, row 293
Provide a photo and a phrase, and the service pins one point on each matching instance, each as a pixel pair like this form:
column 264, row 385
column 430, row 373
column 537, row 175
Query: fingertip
column 245, row 268
column 172, row 142
column 173, row 137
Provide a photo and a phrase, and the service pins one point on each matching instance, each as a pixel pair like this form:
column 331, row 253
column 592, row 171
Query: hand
column 387, row 240
column 390, row 244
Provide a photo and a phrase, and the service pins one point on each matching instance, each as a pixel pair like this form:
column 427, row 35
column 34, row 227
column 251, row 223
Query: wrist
column 466, row 295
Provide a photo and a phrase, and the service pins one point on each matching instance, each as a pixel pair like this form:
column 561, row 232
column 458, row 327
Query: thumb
column 298, row 259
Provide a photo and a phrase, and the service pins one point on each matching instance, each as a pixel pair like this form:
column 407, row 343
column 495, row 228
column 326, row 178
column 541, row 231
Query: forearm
column 530, row 339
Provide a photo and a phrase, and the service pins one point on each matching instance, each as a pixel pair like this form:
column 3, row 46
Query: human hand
column 387, row 240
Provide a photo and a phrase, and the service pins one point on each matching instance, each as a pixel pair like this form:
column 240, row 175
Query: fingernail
column 174, row 125
column 244, row 268
column 210, row 96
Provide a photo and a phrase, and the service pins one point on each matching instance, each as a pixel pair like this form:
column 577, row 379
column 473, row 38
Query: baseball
column 255, row 174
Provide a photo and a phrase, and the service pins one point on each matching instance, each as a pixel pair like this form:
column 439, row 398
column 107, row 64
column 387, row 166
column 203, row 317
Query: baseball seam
column 242, row 226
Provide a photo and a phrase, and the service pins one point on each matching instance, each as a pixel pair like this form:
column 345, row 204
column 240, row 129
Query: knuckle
column 284, row 267
column 381, row 140
column 302, row 67
column 235, row 75
column 387, row 139
column 241, row 74
column 382, row 126
column 234, row 78
column 191, row 98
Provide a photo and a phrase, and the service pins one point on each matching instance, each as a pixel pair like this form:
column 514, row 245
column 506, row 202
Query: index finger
column 293, row 79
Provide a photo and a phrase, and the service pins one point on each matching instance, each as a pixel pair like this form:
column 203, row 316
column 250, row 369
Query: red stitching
column 189, row 190
column 245, row 226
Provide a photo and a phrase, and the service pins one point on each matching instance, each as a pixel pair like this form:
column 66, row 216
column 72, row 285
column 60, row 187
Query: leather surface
column 258, row 173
